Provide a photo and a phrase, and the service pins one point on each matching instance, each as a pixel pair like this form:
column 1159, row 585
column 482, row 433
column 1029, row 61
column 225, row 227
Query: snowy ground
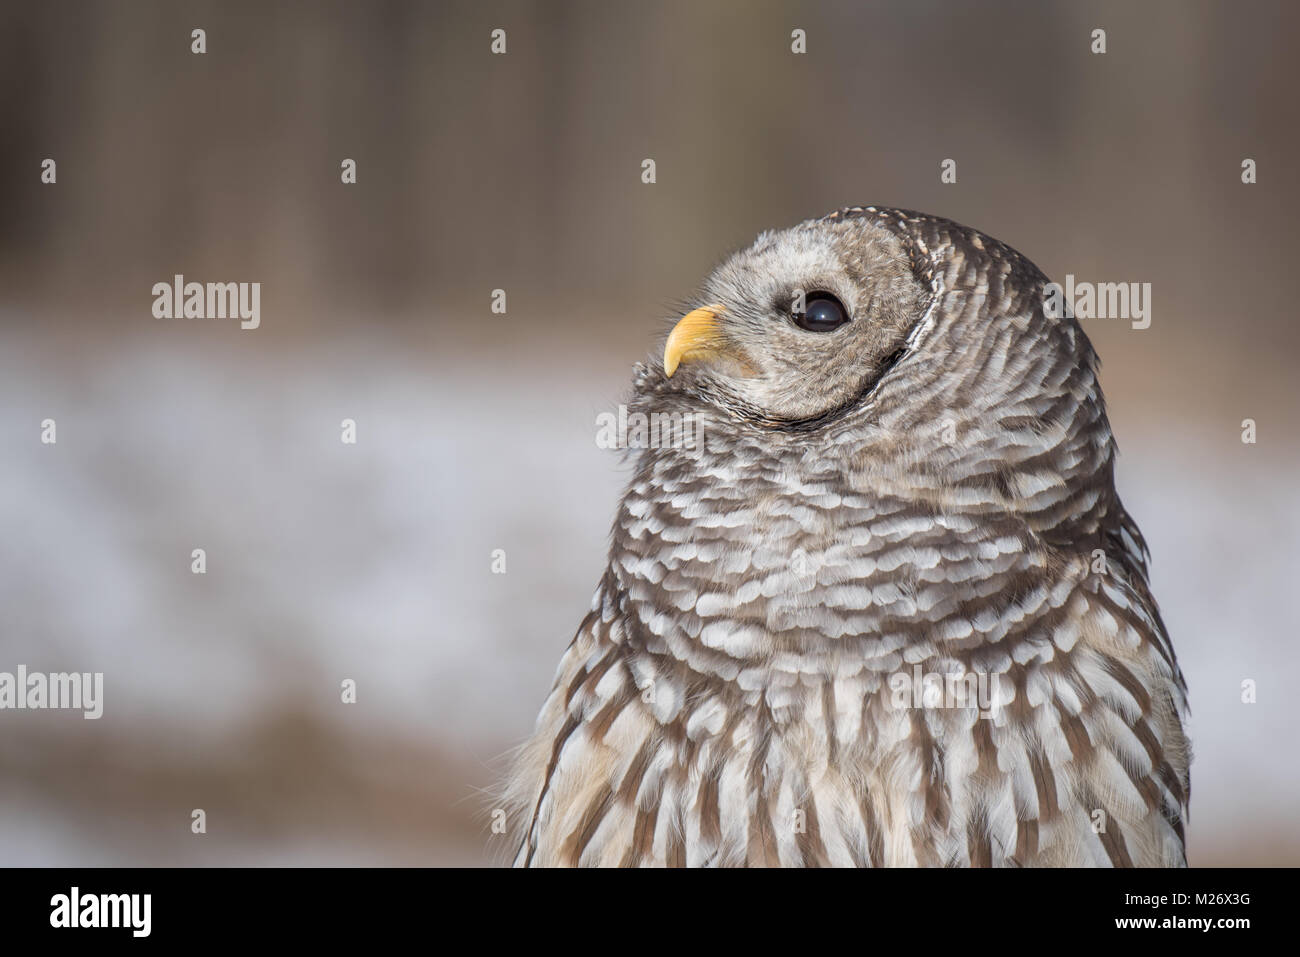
column 373, row 562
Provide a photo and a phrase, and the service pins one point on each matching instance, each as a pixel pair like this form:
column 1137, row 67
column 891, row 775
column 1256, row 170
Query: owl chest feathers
column 804, row 674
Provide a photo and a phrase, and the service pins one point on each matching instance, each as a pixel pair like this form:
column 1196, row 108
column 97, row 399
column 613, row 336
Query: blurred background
column 476, row 431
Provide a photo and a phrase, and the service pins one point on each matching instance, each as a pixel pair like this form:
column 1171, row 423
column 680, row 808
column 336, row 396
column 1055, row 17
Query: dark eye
column 823, row 313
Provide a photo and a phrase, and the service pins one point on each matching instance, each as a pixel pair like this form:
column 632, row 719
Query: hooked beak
column 697, row 335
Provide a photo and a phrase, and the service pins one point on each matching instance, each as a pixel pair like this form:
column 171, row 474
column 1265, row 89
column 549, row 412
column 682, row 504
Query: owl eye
column 822, row 313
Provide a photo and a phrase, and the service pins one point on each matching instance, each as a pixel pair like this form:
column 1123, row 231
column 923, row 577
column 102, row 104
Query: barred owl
column 888, row 609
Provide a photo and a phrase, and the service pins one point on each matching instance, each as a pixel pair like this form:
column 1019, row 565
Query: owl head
column 919, row 343
column 803, row 322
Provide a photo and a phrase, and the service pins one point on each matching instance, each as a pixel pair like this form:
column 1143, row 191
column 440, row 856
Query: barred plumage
column 926, row 490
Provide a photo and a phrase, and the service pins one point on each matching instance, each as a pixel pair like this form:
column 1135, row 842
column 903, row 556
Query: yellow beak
column 697, row 335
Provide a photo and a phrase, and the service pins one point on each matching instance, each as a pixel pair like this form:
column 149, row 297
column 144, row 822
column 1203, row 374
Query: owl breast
column 762, row 682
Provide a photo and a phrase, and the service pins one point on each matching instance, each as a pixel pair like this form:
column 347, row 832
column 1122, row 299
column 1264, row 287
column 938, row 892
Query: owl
column 872, row 598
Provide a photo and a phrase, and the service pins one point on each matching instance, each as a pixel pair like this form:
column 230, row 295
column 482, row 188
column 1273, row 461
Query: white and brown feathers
column 933, row 488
